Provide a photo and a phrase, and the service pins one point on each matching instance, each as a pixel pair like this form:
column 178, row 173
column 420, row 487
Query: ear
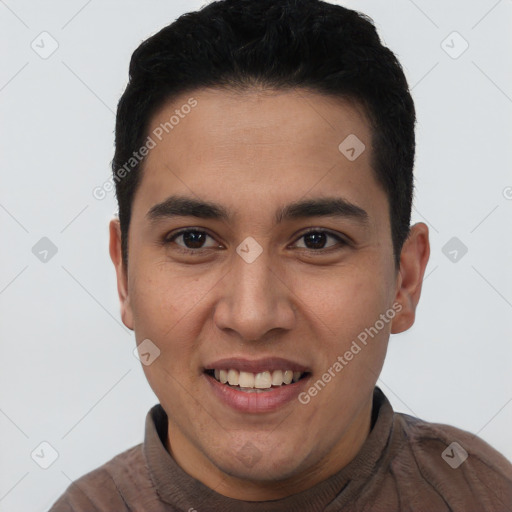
column 413, row 262
column 116, row 256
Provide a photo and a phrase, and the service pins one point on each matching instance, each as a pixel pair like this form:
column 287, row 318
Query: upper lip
column 256, row 365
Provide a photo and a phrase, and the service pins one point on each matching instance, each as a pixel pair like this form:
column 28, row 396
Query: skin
column 253, row 152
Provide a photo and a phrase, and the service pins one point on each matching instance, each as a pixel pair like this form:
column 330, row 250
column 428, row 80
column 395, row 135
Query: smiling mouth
column 261, row 382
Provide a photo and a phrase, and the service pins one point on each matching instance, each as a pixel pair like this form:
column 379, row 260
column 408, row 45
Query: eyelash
column 168, row 240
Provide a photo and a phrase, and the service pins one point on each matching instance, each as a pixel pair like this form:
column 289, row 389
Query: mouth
column 260, row 382
column 262, row 386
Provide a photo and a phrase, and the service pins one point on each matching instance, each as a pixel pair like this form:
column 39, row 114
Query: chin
column 252, row 463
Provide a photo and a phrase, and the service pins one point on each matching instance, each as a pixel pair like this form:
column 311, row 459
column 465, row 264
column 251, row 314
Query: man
column 264, row 255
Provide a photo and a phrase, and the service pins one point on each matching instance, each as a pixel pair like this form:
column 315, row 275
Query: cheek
column 168, row 309
column 161, row 308
column 161, row 298
column 346, row 302
column 351, row 343
column 153, row 312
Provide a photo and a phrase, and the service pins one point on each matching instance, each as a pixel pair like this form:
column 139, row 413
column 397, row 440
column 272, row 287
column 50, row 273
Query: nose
column 255, row 300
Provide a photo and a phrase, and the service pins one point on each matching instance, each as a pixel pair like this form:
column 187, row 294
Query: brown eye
column 193, row 240
column 316, row 240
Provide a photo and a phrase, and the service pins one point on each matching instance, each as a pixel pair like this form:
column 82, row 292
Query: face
column 277, row 277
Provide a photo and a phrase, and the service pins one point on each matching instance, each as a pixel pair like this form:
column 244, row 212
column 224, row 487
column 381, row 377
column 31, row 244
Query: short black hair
column 277, row 44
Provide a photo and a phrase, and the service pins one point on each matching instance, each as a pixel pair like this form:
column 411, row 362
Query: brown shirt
column 405, row 464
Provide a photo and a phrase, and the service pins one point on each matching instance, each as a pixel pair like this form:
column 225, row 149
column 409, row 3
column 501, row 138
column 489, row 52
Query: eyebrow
column 181, row 206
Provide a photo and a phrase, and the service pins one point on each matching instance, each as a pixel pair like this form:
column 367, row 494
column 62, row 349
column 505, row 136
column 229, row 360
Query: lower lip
column 266, row 401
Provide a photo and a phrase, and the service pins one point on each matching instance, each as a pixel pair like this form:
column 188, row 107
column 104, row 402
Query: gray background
column 68, row 375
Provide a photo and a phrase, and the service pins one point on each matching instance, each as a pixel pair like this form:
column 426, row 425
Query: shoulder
column 458, row 466
column 102, row 488
column 457, row 444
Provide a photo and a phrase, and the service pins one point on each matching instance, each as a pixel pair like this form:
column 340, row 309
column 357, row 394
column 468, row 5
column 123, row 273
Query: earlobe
column 413, row 262
column 116, row 256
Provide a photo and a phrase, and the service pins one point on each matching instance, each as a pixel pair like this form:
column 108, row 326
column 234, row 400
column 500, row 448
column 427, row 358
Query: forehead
column 253, row 119
column 242, row 148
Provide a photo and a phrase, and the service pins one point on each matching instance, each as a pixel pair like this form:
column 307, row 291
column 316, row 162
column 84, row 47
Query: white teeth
column 277, row 378
column 288, row 377
column 262, row 380
column 233, row 376
column 246, row 380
